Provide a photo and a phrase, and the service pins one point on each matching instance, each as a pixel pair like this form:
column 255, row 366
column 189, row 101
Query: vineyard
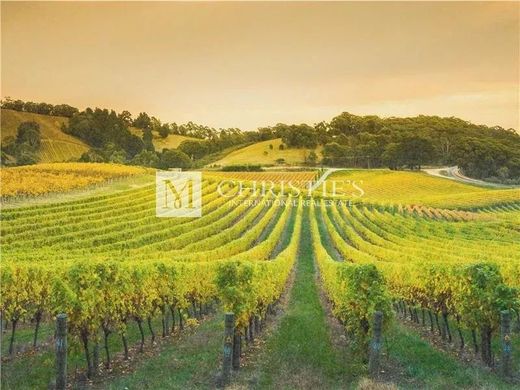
column 53, row 178
column 421, row 251
column 57, row 146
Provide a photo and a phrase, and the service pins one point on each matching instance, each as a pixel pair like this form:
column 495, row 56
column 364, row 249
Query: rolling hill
column 170, row 142
column 56, row 145
column 261, row 153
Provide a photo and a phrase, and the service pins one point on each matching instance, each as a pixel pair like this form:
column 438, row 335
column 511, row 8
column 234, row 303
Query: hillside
column 261, row 153
column 170, row 142
column 416, row 188
column 56, row 145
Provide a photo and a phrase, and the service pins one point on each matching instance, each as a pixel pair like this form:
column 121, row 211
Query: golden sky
column 255, row 64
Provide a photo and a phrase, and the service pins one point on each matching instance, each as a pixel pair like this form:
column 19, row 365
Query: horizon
column 251, row 65
column 135, row 114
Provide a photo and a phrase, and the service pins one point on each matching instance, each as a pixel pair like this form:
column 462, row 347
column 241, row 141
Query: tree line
column 491, row 153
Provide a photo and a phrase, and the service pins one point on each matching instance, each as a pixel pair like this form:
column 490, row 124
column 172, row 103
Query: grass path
column 300, row 355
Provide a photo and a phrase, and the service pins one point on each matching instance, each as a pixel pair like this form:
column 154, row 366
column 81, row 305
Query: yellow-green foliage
column 409, row 188
column 261, row 153
column 41, row 179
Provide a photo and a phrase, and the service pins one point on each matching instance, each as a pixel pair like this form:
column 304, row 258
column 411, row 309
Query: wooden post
column 505, row 336
column 229, row 325
column 251, row 330
column 237, row 339
column 375, row 345
column 95, row 359
column 61, row 351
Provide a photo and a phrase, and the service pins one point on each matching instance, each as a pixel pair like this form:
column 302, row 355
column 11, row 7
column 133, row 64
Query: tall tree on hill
column 126, row 117
column 164, row 130
column 148, row 140
column 143, row 121
column 29, row 133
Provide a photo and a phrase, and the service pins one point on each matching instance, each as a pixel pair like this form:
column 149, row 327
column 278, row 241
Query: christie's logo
column 178, row 194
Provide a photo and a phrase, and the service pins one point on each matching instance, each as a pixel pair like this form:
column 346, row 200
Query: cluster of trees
column 369, row 141
column 493, row 160
column 25, row 146
column 39, row 108
column 107, row 133
column 294, row 136
column 348, row 140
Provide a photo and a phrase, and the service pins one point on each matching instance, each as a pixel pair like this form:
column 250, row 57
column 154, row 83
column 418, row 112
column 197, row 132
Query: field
column 56, row 145
column 43, row 179
column 416, row 188
column 172, row 141
column 145, row 296
column 261, row 153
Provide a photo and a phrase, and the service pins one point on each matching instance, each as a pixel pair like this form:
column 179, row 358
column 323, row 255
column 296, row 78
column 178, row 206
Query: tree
column 172, row 158
column 146, row 158
column 164, row 130
column 11, row 104
column 311, row 158
column 100, row 127
column 64, row 110
column 392, row 156
column 26, row 154
column 416, row 151
column 93, row 156
column 345, row 123
column 155, row 124
column 44, row 108
column 143, row 121
column 335, row 154
column 29, row 132
column 126, row 117
column 132, row 145
column 194, row 149
column 298, row 136
column 148, row 140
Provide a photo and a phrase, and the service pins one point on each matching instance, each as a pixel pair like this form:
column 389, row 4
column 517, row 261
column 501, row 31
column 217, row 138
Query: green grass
column 190, row 363
column 300, row 352
column 210, row 159
column 415, row 188
column 261, row 153
column 434, row 369
column 16, row 376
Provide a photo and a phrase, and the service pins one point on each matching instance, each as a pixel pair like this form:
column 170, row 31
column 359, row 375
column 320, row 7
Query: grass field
column 107, row 261
column 416, row 188
column 172, row 141
column 56, row 145
column 261, row 153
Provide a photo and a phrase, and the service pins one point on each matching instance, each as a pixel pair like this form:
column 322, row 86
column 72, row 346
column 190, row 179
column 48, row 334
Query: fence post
column 375, row 345
column 61, row 351
column 229, row 325
column 237, row 340
column 505, row 336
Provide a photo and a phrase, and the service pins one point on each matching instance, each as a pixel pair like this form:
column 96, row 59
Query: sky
column 256, row 64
